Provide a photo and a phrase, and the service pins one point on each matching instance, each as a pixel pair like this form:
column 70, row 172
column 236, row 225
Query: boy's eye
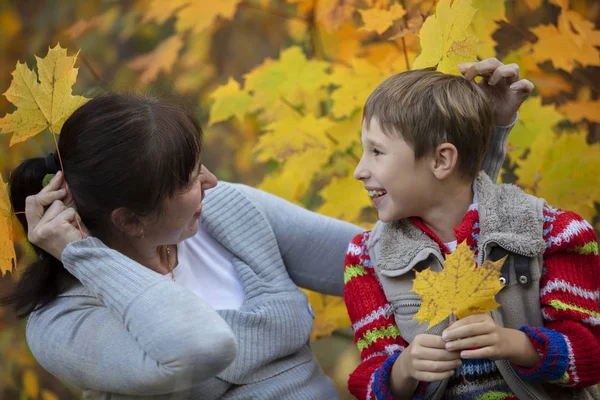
column 376, row 152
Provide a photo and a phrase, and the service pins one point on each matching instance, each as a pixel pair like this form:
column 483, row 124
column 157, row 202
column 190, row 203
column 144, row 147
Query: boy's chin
column 389, row 217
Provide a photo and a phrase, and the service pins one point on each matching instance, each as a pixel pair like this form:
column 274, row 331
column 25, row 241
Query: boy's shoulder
column 566, row 230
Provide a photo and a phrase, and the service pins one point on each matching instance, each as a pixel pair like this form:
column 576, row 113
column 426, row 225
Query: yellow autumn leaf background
column 278, row 87
column 460, row 289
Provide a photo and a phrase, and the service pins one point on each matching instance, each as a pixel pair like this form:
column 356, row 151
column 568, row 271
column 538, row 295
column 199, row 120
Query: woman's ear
column 445, row 160
column 127, row 222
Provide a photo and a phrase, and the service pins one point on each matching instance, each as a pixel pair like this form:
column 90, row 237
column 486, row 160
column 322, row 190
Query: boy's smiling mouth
column 376, row 194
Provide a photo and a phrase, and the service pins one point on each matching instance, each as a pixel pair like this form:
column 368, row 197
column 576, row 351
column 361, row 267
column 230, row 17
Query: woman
column 173, row 296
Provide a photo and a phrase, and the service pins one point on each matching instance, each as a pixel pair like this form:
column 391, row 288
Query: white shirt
column 206, row 268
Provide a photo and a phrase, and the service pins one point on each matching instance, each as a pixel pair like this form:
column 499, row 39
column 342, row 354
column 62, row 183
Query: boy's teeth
column 376, row 193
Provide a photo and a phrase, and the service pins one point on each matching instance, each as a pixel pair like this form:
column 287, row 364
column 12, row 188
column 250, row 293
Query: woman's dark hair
column 117, row 151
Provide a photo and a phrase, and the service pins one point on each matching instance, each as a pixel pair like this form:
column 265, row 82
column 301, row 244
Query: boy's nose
column 360, row 172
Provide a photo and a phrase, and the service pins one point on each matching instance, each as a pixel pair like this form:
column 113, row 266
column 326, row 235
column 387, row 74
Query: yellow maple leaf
column 159, row 60
column 484, row 24
column 8, row 258
column 44, row 104
column 445, row 38
column 294, row 135
column 460, row 289
column 292, row 180
column 229, row 101
column 534, row 119
column 344, row 198
column 578, row 110
column 574, row 36
column 356, row 84
column 560, row 170
column 330, row 314
column 379, row 20
column 347, row 132
column 285, row 77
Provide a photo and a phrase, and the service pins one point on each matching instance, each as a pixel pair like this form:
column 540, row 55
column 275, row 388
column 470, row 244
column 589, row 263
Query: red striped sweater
column 569, row 343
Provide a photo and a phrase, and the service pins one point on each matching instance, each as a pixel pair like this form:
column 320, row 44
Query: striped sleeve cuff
column 381, row 381
column 554, row 352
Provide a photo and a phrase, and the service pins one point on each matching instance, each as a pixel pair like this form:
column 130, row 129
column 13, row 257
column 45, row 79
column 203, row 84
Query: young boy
column 424, row 135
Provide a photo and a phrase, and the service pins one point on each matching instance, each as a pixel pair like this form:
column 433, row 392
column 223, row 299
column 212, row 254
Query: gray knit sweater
column 125, row 332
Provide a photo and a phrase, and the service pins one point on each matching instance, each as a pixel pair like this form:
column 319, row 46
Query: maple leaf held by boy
column 460, row 289
column 44, row 104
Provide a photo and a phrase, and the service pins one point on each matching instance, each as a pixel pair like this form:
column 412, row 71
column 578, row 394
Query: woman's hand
column 502, row 84
column 478, row 336
column 51, row 224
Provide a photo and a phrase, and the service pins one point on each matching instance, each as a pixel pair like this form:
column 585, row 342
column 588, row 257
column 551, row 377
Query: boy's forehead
column 374, row 131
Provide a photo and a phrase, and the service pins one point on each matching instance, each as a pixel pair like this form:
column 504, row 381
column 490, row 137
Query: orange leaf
column 381, row 20
column 333, row 14
column 574, row 36
column 460, row 289
column 8, row 258
column 161, row 59
column 579, row 110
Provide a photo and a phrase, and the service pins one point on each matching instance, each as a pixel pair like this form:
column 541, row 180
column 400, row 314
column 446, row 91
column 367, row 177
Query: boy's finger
column 509, row 72
column 425, row 353
column 431, row 341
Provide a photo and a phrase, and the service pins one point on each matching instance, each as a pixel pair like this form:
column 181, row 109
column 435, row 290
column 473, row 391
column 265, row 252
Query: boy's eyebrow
column 374, row 143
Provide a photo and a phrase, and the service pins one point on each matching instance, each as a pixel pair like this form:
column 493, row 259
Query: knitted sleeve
column 375, row 332
column 569, row 342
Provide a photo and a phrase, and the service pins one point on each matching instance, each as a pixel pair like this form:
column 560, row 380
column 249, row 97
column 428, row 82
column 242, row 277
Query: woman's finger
column 524, row 87
column 56, row 208
column 54, row 183
column 509, row 72
column 481, row 68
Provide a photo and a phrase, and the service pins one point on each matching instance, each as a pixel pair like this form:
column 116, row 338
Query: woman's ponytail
column 45, row 278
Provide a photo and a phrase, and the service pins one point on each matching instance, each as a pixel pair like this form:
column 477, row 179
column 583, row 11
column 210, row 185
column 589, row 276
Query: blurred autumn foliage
column 278, row 86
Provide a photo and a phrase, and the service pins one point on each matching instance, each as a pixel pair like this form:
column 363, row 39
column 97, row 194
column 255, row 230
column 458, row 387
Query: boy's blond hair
column 427, row 108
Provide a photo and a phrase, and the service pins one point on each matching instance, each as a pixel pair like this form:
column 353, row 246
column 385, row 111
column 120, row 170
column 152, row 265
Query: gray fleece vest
column 511, row 223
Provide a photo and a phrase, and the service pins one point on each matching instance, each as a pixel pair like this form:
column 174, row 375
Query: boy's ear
column 445, row 160
column 127, row 222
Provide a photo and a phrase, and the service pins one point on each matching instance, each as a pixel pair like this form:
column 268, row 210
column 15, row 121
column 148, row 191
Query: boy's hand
column 427, row 360
column 478, row 336
column 502, row 84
